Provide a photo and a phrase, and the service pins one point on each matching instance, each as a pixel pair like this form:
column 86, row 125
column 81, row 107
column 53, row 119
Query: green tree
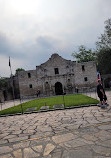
column 104, row 49
column 84, row 55
column 18, row 70
column 104, row 61
column 3, row 83
column 105, row 38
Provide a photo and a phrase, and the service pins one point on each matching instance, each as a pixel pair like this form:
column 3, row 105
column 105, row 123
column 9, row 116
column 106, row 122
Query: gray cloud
column 45, row 42
column 9, row 48
column 4, row 44
column 31, row 33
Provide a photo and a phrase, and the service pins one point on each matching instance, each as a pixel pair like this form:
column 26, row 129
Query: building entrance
column 58, row 88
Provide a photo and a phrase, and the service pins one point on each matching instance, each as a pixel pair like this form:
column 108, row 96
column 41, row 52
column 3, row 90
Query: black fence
column 44, row 105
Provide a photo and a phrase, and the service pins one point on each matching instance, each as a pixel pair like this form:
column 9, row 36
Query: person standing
column 38, row 93
column 101, row 93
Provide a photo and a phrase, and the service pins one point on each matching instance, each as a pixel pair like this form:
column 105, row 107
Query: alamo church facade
column 56, row 77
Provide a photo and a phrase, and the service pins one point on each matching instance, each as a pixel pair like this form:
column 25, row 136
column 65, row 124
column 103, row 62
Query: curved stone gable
column 55, row 59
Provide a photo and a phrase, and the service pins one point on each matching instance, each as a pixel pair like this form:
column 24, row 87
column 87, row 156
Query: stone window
column 83, row 68
column 56, row 70
column 30, row 85
column 29, row 75
column 85, row 79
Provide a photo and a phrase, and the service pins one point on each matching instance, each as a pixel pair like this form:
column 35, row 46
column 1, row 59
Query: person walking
column 101, row 94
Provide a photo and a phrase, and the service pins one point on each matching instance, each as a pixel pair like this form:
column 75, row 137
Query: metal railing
column 13, row 103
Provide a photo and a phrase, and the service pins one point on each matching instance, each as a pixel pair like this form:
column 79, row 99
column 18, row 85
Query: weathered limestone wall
column 47, row 78
column 86, row 77
column 25, row 83
column 56, row 61
column 55, row 73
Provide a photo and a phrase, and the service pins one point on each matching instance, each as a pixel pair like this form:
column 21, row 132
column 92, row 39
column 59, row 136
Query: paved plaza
column 72, row 133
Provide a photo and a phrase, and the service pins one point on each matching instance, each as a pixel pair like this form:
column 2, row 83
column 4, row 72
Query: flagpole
column 12, row 84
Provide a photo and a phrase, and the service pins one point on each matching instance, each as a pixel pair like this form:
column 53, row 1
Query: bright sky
column 32, row 30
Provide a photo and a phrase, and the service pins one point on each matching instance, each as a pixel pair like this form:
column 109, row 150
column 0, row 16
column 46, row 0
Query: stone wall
column 27, row 83
column 46, row 73
column 85, row 74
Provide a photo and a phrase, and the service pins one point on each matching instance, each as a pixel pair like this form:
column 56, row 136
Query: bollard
column 20, row 100
column 95, row 94
column 1, row 106
column 21, row 108
column 63, row 101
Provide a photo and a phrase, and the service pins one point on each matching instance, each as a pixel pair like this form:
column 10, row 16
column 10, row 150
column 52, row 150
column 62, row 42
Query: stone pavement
column 74, row 133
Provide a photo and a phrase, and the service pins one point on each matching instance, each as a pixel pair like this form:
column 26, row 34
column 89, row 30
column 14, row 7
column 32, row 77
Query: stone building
column 6, row 90
column 57, row 76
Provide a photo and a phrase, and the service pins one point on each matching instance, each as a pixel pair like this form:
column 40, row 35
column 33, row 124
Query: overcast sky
column 32, row 30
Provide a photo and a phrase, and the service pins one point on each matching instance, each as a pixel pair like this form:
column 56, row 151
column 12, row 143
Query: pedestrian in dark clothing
column 101, row 93
column 38, row 93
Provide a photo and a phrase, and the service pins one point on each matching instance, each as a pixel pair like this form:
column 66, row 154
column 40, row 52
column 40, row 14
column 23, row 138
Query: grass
column 67, row 100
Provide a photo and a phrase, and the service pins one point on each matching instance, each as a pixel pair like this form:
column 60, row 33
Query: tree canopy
column 3, row 83
column 102, row 54
column 104, row 49
column 84, row 55
column 18, row 70
column 105, row 38
column 104, row 61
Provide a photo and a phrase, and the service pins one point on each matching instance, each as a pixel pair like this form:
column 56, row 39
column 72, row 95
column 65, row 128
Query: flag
column 9, row 62
column 98, row 76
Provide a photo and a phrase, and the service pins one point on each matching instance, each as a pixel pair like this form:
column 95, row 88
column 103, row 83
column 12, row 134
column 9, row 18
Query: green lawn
column 67, row 100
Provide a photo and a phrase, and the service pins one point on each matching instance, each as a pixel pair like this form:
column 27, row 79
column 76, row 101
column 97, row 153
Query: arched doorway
column 58, row 88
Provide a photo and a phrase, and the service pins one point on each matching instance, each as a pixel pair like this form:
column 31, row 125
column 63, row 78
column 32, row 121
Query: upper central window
column 29, row 75
column 83, row 68
column 56, row 70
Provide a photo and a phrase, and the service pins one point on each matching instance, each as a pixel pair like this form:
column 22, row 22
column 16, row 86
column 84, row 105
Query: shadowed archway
column 58, row 88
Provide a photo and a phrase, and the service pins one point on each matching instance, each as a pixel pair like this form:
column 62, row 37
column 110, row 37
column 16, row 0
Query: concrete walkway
column 11, row 103
column 94, row 95
column 75, row 133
